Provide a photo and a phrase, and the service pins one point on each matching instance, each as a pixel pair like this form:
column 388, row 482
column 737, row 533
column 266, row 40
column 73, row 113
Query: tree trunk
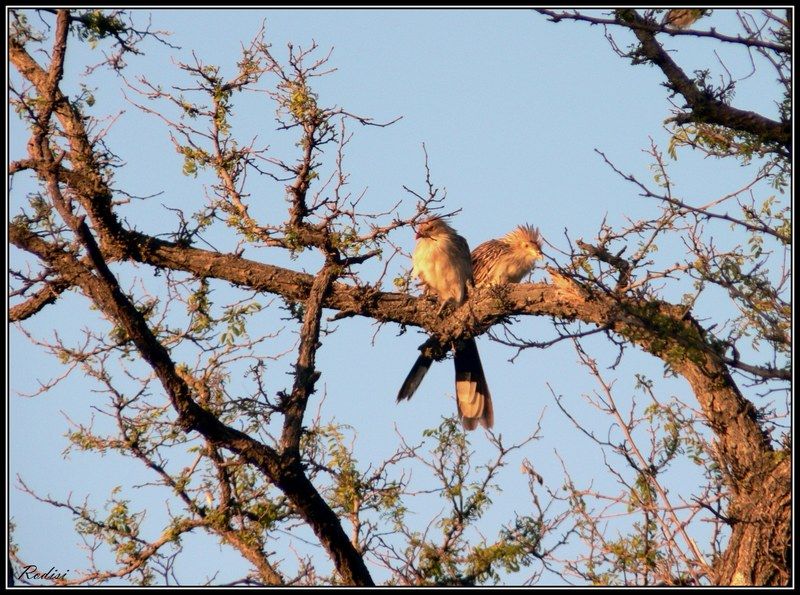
column 759, row 549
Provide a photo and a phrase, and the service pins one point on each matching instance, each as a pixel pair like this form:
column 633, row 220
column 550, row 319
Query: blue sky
column 510, row 108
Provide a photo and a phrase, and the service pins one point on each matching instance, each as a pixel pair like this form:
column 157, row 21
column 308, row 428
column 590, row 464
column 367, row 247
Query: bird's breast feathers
column 441, row 266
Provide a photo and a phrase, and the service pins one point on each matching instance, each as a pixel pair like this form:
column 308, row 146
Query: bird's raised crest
column 525, row 233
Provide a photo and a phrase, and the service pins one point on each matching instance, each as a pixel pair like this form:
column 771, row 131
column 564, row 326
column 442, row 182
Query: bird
column 508, row 259
column 442, row 262
column 681, row 18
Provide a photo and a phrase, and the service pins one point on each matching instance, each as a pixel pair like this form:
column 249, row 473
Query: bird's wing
column 483, row 259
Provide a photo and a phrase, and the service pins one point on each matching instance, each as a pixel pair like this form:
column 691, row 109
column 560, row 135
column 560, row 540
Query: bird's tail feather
column 414, row 378
column 472, row 390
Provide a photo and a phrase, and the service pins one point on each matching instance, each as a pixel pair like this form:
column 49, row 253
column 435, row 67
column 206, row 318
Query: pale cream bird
column 442, row 262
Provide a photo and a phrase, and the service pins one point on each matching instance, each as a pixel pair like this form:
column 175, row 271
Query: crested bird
column 508, row 259
column 442, row 262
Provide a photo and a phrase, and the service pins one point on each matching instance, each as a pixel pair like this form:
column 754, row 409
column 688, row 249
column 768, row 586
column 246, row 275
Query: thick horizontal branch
column 660, row 328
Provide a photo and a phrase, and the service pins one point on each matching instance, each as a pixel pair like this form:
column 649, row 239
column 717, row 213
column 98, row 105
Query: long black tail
column 472, row 390
column 415, row 376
